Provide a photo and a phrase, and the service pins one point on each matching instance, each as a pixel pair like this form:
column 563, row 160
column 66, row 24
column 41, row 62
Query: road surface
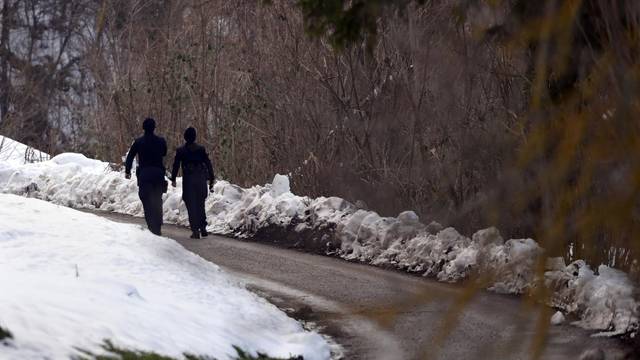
column 380, row 314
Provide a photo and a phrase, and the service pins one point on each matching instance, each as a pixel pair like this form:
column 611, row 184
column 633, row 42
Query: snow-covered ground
column 18, row 153
column 605, row 302
column 71, row 280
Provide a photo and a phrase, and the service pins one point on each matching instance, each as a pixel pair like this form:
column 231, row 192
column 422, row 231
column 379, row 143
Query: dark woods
column 520, row 114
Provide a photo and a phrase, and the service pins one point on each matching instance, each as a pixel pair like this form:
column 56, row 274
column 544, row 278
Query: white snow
column 70, row 280
column 17, row 153
column 604, row 302
column 607, row 299
column 78, row 162
column 280, row 185
column 557, row 318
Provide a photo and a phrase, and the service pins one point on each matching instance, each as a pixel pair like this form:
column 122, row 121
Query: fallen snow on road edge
column 605, row 302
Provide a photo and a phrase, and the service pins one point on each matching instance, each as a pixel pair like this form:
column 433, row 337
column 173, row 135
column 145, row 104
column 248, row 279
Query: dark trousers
column 194, row 193
column 150, row 194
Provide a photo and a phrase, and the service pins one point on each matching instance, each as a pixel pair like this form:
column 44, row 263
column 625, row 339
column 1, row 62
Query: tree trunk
column 4, row 64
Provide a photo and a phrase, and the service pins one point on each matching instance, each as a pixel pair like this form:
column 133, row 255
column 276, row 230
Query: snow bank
column 75, row 279
column 333, row 226
column 17, row 153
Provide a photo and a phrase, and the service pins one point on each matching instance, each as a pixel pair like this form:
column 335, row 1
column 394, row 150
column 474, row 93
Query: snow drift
column 15, row 152
column 334, row 226
column 75, row 279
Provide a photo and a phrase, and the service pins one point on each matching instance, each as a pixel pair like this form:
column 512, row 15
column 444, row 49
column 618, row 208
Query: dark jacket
column 151, row 150
column 193, row 159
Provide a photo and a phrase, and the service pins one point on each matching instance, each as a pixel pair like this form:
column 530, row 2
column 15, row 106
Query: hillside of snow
column 71, row 280
column 604, row 299
column 15, row 152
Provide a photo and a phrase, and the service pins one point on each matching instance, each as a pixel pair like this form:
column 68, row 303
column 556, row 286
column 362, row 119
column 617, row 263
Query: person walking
column 151, row 150
column 196, row 171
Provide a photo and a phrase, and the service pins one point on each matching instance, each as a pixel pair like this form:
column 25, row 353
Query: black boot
column 204, row 232
column 195, row 235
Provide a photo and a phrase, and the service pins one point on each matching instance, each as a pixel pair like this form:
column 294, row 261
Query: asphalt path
column 374, row 313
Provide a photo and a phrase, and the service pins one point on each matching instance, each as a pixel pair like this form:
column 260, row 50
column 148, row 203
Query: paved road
column 380, row 314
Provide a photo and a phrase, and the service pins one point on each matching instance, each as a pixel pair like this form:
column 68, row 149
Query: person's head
column 190, row 135
column 149, row 125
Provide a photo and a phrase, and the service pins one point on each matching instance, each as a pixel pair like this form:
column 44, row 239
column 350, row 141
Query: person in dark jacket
column 196, row 171
column 151, row 150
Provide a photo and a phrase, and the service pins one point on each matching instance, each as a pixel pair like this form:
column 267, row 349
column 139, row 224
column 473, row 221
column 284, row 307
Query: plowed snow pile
column 604, row 302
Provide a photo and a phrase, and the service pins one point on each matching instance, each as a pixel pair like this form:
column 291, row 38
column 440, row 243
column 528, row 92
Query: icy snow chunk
column 451, row 235
column 488, row 236
column 280, row 185
column 348, row 230
column 398, row 231
column 329, row 210
column 607, row 299
column 460, row 266
column 288, row 207
column 451, row 239
column 453, row 251
column 522, row 248
column 408, row 217
column 361, row 234
column 574, row 267
column 434, row 228
column 77, row 159
column 557, row 318
column 418, row 254
column 229, row 192
column 513, row 265
column 368, row 234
